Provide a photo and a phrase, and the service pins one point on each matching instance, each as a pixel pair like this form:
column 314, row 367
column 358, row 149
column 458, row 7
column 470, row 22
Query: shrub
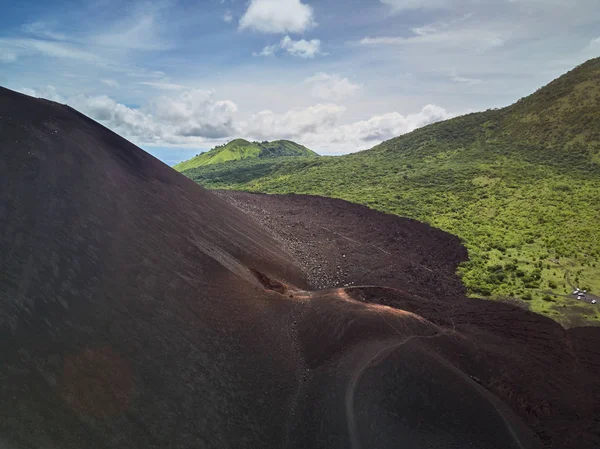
column 482, row 290
column 494, row 268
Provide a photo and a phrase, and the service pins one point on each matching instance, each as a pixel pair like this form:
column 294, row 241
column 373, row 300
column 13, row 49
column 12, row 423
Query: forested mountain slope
column 519, row 185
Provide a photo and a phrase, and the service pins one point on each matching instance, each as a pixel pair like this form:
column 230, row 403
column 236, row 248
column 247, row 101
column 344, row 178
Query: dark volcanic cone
column 138, row 310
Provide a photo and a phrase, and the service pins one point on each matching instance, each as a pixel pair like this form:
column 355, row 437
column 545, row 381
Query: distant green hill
column 519, row 185
column 241, row 149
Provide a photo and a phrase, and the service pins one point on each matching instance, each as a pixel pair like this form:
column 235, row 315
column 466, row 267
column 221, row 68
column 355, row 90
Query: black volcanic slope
column 341, row 244
column 138, row 310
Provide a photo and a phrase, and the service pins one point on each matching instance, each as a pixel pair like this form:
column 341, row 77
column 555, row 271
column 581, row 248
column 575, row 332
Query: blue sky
column 180, row 76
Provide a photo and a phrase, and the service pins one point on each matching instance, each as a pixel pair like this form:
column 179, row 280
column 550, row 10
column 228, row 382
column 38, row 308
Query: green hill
column 241, row 149
column 519, row 185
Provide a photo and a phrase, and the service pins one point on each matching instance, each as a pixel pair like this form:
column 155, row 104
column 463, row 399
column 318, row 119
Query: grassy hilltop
column 519, row 185
column 241, row 149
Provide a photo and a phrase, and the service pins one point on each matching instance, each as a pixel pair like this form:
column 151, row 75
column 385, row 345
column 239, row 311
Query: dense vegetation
column 241, row 149
column 519, row 185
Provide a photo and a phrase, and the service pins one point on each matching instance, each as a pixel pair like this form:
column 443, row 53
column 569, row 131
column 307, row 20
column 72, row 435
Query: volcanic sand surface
column 548, row 375
column 139, row 310
column 108, row 253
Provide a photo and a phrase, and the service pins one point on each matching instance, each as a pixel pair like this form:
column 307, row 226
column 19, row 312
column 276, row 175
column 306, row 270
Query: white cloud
column 130, row 123
column 192, row 118
column 331, row 138
column 48, row 92
column 444, row 36
column 196, row 119
column 162, row 86
column 331, row 87
column 196, row 113
column 424, row 30
column 42, row 29
column 110, row 83
column 465, row 80
column 405, row 5
column 383, row 127
column 269, row 50
column 228, row 17
column 301, row 48
column 465, row 31
column 294, row 123
column 278, row 16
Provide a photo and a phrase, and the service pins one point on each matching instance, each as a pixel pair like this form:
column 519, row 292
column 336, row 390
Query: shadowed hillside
column 519, row 185
column 139, row 310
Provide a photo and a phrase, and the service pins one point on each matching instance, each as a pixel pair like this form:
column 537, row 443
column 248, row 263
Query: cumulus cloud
column 128, row 122
column 331, row 87
column 301, row 48
column 333, row 138
column 196, row 113
column 48, row 92
column 191, row 118
column 386, row 126
column 278, row 16
column 195, row 118
column 228, row 17
column 294, row 123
